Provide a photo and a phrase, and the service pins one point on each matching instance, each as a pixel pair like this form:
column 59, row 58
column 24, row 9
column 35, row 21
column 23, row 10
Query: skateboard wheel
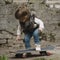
column 18, row 55
column 43, row 53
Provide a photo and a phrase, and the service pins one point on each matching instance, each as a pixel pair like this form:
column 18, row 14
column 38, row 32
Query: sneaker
column 38, row 47
column 24, row 55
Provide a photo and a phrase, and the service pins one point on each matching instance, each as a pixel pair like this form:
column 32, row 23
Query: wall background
column 8, row 23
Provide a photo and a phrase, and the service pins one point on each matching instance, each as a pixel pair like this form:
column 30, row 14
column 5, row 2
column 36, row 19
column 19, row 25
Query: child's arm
column 41, row 24
column 18, row 33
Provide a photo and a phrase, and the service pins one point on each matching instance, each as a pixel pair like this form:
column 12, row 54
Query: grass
column 42, row 59
column 3, row 57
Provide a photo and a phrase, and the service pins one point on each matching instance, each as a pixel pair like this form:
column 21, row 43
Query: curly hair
column 21, row 12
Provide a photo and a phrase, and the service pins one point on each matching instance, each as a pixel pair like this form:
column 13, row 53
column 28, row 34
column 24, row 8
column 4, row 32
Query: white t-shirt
column 38, row 21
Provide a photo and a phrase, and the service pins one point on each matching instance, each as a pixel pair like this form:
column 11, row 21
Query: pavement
column 10, row 53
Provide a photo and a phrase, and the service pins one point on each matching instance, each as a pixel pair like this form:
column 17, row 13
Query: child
column 30, row 25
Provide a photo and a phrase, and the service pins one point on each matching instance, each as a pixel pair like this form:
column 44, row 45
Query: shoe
column 24, row 55
column 38, row 47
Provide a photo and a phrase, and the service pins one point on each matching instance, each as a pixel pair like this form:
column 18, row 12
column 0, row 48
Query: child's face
column 24, row 18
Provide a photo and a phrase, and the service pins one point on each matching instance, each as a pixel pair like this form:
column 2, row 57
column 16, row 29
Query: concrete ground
column 10, row 53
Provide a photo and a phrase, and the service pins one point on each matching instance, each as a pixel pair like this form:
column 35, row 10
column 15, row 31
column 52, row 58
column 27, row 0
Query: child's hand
column 18, row 37
column 40, row 32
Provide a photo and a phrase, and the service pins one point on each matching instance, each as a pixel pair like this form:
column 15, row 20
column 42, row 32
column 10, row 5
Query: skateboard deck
column 33, row 49
column 43, row 51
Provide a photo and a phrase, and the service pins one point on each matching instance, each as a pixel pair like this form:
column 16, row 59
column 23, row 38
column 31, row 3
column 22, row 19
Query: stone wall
column 53, row 3
column 8, row 23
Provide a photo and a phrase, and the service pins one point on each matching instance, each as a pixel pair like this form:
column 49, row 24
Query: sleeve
column 18, row 30
column 41, row 24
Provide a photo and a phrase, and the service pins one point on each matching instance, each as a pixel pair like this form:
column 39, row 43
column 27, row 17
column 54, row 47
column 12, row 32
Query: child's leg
column 36, row 39
column 27, row 40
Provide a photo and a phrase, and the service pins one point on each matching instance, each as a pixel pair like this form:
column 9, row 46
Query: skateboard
column 42, row 52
